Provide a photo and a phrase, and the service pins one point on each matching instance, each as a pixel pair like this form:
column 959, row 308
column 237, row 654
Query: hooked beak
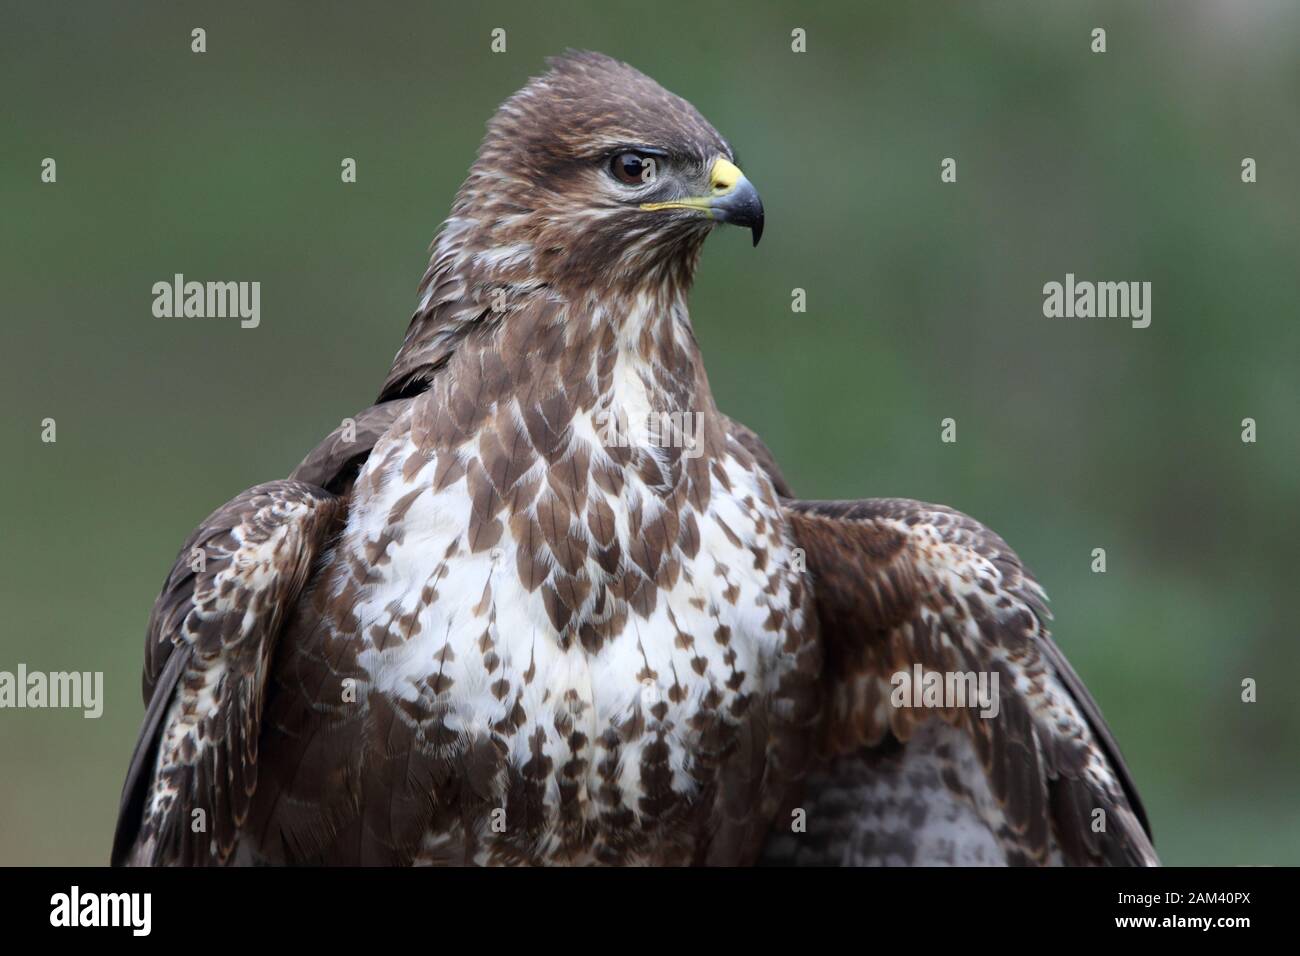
column 732, row 198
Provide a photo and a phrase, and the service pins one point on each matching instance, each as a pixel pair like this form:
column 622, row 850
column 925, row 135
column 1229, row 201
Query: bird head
column 593, row 172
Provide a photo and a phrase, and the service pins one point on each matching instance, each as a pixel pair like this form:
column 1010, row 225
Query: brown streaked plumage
column 900, row 583
column 543, row 603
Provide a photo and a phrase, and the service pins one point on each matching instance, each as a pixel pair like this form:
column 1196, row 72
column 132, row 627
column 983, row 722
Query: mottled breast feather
column 602, row 648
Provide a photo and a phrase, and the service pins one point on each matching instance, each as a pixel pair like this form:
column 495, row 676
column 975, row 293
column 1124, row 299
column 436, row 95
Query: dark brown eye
column 632, row 168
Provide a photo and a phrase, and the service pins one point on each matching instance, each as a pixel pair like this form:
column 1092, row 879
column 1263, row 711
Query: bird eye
column 634, row 169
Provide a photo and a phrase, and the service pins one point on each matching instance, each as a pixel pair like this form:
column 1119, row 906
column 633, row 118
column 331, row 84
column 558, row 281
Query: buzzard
column 543, row 603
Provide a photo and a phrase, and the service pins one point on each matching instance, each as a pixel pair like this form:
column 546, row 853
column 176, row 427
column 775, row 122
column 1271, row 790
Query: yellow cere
column 723, row 177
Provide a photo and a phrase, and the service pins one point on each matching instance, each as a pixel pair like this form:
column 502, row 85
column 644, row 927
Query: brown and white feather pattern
column 211, row 636
column 583, row 637
column 900, row 583
column 470, row 629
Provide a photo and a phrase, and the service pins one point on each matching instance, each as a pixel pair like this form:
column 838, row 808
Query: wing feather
column 210, row 638
column 336, row 461
column 899, row 583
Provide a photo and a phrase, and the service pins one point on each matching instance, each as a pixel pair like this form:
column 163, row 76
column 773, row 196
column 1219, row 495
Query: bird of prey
column 543, row 603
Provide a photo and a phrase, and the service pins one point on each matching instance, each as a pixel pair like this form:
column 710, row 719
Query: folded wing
column 210, row 640
column 898, row 584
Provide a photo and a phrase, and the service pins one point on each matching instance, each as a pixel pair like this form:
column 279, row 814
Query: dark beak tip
column 741, row 207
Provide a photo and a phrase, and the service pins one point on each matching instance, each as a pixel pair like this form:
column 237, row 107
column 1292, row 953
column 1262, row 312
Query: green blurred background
column 924, row 301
